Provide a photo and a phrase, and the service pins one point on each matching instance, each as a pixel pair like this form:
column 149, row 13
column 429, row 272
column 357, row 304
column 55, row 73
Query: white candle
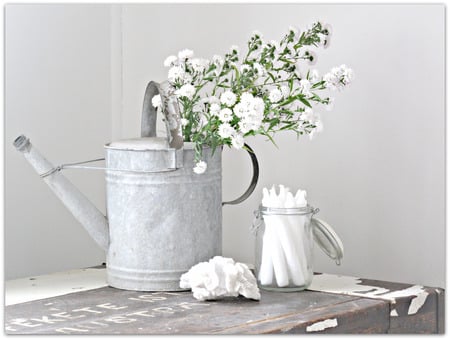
column 276, row 251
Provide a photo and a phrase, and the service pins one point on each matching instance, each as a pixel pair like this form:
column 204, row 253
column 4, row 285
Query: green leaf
column 270, row 138
column 271, row 76
column 288, row 101
column 291, row 84
column 303, row 100
column 273, row 122
column 318, row 84
column 288, row 126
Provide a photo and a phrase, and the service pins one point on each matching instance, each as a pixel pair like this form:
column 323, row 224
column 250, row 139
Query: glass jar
column 284, row 246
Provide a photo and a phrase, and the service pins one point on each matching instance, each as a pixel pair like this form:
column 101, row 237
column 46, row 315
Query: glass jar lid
column 288, row 211
column 327, row 239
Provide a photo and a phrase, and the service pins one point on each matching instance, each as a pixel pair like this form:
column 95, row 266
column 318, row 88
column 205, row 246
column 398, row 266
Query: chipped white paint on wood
column 57, row 284
column 417, row 303
column 394, row 312
column 349, row 285
column 322, row 325
column 344, row 285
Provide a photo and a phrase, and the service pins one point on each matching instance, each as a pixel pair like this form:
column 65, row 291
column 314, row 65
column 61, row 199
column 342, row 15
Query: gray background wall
column 75, row 76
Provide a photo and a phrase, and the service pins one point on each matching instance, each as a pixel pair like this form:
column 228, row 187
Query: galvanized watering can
column 162, row 218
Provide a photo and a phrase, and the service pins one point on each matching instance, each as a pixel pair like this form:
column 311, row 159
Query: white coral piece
column 218, row 278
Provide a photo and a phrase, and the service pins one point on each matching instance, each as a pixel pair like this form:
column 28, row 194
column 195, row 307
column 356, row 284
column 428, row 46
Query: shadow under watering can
column 162, row 218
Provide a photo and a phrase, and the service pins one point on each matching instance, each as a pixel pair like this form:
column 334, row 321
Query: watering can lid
column 328, row 240
column 140, row 144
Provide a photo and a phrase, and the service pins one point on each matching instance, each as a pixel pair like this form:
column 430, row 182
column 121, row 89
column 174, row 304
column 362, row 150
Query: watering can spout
column 82, row 209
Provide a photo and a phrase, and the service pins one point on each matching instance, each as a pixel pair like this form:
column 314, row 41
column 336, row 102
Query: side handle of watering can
column 253, row 181
column 148, row 129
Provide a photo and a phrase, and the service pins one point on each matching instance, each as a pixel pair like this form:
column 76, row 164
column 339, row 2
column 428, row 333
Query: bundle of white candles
column 284, row 260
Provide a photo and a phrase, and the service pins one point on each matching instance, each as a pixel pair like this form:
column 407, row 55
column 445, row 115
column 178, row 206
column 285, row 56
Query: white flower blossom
column 260, row 70
column 237, row 141
column 308, row 115
column 245, row 126
column 246, row 99
column 170, row 61
column 250, row 110
column 275, row 96
column 324, row 40
column 347, row 74
column 217, row 60
column 225, row 115
column 185, row 54
column 199, row 64
column 252, row 121
column 228, row 98
column 214, row 109
column 329, row 29
column 305, row 87
column 156, row 101
column 184, row 121
column 176, row 73
column 200, row 167
column 338, row 77
column 226, row 130
column 187, row 90
column 258, row 105
column 241, row 109
column 285, row 91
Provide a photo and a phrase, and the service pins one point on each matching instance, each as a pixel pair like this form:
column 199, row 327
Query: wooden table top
column 332, row 304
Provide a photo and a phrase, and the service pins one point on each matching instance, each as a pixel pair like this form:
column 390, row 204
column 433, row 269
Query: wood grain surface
column 334, row 304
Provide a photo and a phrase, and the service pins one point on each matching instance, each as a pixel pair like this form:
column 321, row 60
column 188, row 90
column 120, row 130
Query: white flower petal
column 156, row 101
column 200, row 167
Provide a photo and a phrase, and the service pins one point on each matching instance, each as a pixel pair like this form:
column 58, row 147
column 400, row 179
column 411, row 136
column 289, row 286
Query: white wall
column 376, row 172
column 57, row 92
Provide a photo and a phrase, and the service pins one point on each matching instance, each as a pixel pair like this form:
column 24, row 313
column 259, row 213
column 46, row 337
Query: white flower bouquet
column 226, row 99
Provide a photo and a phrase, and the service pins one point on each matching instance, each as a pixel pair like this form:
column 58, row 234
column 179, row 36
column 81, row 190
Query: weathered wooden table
column 333, row 304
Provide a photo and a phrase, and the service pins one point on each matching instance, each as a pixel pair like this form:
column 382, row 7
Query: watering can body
column 162, row 218
column 161, row 224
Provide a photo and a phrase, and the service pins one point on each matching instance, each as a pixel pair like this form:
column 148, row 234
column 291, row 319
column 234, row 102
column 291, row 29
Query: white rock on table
column 220, row 277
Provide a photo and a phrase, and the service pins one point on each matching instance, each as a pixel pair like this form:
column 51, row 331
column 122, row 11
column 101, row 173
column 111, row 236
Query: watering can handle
column 253, row 181
column 148, row 118
column 170, row 111
column 148, row 129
